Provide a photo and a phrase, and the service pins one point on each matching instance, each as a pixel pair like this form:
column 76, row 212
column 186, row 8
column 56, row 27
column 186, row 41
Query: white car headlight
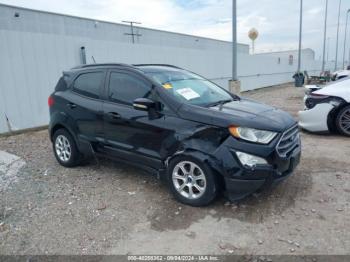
column 250, row 160
column 252, row 135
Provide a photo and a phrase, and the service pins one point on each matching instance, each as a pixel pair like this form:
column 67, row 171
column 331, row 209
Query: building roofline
column 113, row 23
column 291, row 50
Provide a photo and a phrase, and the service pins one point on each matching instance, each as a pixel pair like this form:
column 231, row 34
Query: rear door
column 84, row 104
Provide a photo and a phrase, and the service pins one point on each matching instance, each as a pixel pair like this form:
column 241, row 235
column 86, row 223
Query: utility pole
column 300, row 34
column 349, row 58
column 234, row 84
column 346, row 31
column 324, row 38
column 132, row 23
column 234, row 40
column 336, row 48
column 328, row 40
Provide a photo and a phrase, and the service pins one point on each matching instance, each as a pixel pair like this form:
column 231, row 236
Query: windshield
column 190, row 88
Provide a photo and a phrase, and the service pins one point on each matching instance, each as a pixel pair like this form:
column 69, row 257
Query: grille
column 289, row 141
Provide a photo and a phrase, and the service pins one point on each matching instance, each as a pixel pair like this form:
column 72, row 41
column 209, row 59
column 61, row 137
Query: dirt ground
column 112, row 208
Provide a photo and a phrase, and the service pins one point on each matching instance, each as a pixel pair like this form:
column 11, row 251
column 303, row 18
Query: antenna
column 132, row 23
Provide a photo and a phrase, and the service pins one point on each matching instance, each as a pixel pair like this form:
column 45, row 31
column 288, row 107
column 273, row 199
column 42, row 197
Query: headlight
column 250, row 160
column 252, row 135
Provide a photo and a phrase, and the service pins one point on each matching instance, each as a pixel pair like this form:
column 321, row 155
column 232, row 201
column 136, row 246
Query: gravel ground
column 111, row 208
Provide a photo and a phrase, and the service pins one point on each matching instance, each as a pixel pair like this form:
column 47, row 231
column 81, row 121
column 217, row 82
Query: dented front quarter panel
column 201, row 142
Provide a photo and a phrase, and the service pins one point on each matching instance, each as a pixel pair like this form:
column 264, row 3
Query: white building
column 36, row 46
column 291, row 56
column 307, row 54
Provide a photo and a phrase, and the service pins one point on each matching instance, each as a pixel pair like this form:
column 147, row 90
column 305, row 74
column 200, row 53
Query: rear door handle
column 71, row 105
column 113, row 115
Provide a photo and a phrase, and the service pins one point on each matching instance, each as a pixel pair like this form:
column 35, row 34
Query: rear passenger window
column 125, row 88
column 88, row 84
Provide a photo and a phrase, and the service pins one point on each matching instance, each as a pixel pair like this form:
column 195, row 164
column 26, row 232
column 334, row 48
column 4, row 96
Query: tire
column 342, row 121
column 182, row 181
column 65, row 148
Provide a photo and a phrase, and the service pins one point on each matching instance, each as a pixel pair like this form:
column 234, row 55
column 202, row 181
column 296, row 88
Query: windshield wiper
column 220, row 103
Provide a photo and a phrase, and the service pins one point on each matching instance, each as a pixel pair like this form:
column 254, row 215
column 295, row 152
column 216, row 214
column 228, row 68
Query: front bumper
column 315, row 119
column 239, row 188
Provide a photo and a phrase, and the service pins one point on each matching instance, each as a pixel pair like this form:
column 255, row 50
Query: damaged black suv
column 200, row 138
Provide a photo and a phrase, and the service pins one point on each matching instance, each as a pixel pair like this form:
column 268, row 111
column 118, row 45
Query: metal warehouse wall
column 307, row 54
column 36, row 47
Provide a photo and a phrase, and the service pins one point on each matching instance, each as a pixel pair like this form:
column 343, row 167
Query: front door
column 129, row 133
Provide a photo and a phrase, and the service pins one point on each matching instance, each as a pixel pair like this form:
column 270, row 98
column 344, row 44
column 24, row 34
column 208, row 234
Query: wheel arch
column 58, row 126
column 332, row 116
column 84, row 147
column 212, row 162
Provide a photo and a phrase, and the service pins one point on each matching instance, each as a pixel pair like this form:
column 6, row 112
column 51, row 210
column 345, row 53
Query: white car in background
column 337, row 75
column 327, row 108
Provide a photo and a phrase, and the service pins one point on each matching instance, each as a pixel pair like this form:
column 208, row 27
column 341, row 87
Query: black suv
column 199, row 137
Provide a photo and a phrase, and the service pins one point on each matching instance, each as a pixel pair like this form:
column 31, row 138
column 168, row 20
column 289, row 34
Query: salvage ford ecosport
column 200, row 138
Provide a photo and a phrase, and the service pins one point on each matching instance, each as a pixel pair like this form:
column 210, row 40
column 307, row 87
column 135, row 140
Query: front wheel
column 191, row 181
column 343, row 121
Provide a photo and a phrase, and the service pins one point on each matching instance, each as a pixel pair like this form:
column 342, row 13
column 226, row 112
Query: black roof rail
column 121, row 64
column 102, row 64
column 157, row 65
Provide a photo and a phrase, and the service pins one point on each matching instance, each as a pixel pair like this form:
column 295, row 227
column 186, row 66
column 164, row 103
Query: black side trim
column 132, row 157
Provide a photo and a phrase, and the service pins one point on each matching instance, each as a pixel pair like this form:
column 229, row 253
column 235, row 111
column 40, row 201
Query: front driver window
column 125, row 88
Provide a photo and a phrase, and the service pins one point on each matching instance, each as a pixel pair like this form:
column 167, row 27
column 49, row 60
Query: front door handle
column 71, row 105
column 113, row 115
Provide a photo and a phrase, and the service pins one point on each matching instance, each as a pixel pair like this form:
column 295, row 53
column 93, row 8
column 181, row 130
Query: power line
column 132, row 34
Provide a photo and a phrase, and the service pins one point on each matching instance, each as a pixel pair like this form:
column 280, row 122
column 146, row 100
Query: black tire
column 74, row 158
column 342, row 116
column 211, row 182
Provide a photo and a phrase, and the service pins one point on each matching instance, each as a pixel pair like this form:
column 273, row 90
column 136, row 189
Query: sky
column 276, row 20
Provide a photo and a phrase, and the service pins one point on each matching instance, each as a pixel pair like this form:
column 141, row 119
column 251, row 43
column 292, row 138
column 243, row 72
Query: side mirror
column 145, row 104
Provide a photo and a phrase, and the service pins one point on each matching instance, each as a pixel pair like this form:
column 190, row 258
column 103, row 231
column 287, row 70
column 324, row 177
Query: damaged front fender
column 205, row 144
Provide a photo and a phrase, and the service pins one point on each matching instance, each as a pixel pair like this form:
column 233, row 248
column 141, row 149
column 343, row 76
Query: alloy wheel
column 344, row 121
column 189, row 180
column 63, row 148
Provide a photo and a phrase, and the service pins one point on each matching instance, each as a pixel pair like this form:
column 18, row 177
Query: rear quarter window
column 61, row 84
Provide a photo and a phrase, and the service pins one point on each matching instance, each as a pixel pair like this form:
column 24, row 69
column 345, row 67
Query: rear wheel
column 191, row 181
column 65, row 148
column 343, row 121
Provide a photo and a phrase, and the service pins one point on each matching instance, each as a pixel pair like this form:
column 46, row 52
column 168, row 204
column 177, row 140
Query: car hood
column 243, row 112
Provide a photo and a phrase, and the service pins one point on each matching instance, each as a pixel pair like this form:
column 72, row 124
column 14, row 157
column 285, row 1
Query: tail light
column 313, row 99
column 50, row 101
